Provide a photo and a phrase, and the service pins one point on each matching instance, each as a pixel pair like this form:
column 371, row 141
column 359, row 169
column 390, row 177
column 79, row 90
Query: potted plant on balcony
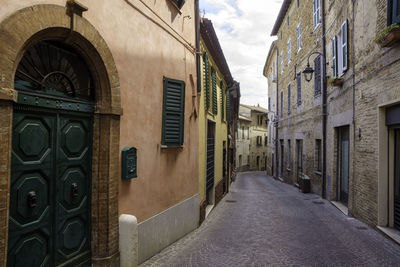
column 389, row 36
column 335, row 81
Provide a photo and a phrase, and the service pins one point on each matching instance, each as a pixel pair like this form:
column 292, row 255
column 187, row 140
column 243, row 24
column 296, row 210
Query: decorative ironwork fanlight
column 53, row 68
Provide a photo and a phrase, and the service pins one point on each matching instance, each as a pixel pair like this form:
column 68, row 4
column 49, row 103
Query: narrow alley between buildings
column 265, row 222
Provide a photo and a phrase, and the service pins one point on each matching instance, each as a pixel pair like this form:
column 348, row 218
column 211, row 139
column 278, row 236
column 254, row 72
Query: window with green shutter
column 228, row 103
column 206, row 66
column 173, row 112
column 222, row 100
column 214, row 91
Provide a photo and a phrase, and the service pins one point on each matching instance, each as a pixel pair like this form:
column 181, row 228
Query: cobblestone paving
column 263, row 222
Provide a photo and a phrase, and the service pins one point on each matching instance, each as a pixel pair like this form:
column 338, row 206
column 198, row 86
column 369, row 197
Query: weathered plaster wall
column 147, row 43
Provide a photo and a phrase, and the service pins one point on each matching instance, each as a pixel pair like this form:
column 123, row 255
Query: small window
column 265, row 140
column 334, row 57
column 173, row 112
column 298, row 3
column 282, row 62
column 248, row 133
column 288, row 98
column 282, row 104
column 318, row 155
column 179, row 3
column 317, row 12
column 298, row 79
column 289, row 153
column 340, row 51
column 299, row 44
column 345, row 45
column 242, row 132
column 288, row 20
column 393, row 12
column 269, row 103
column 317, row 79
column 289, row 50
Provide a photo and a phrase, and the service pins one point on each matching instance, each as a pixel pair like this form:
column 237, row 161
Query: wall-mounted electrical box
column 129, row 163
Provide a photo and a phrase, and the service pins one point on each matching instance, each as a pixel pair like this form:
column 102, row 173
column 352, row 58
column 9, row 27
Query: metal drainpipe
column 277, row 113
column 324, row 100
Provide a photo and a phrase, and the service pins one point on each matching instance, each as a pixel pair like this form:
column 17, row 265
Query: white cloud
column 243, row 28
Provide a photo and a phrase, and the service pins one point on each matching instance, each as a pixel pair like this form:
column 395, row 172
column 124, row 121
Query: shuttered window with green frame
column 214, row 91
column 173, row 112
column 206, row 72
column 228, row 103
column 221, row 85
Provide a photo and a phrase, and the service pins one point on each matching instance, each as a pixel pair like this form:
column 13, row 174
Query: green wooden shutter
column 173, row 112
column 214, row 91
column 228, row 103
column 206, row 80
column 222, row 100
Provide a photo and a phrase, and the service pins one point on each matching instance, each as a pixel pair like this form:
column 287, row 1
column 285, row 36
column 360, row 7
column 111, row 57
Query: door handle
column 32, row 199
column 74, row 190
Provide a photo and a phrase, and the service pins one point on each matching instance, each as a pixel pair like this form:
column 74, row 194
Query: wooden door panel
column 30, row 221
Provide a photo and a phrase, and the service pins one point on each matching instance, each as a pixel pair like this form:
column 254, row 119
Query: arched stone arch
column 51, row 22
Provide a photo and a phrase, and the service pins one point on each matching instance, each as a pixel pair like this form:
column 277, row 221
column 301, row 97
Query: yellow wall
column 220, row 125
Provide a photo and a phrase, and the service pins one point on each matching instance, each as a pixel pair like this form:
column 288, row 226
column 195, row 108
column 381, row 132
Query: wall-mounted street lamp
column 308, row 71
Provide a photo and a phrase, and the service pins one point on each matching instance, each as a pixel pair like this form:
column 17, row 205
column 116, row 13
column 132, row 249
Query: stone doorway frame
column 52, row 22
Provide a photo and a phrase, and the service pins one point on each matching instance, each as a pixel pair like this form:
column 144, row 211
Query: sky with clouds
column 243, row 28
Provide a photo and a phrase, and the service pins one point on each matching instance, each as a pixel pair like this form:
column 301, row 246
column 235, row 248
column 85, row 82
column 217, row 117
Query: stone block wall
column 304, row 120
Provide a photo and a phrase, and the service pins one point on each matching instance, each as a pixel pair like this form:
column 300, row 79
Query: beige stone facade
column 362, row 96
column 128, row 56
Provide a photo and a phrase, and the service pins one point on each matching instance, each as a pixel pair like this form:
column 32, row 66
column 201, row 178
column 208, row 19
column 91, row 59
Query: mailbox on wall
column 129, row 163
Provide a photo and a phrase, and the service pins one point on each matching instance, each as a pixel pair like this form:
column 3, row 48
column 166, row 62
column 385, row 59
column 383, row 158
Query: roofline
column 284, row 8
column 264, row 110
column 211, row 41
column 269, row 57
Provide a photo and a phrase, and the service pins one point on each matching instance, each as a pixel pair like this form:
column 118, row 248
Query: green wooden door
column 49, row 221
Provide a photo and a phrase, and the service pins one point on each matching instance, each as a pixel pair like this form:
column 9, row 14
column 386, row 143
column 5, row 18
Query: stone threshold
column 340, row 206
column 392, row 233
column 209, row 208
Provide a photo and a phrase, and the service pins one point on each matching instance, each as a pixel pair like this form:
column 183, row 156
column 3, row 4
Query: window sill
column 288, row 170
column 167, row 147
column 318, row 173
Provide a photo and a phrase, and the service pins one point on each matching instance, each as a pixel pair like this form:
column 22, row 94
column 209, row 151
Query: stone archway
column 51, row 22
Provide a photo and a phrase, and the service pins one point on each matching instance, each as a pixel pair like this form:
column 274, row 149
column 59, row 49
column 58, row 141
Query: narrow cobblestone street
column 265, row 222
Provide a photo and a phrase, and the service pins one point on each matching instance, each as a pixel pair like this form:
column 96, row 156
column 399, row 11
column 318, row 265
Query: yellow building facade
column 214, row 109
